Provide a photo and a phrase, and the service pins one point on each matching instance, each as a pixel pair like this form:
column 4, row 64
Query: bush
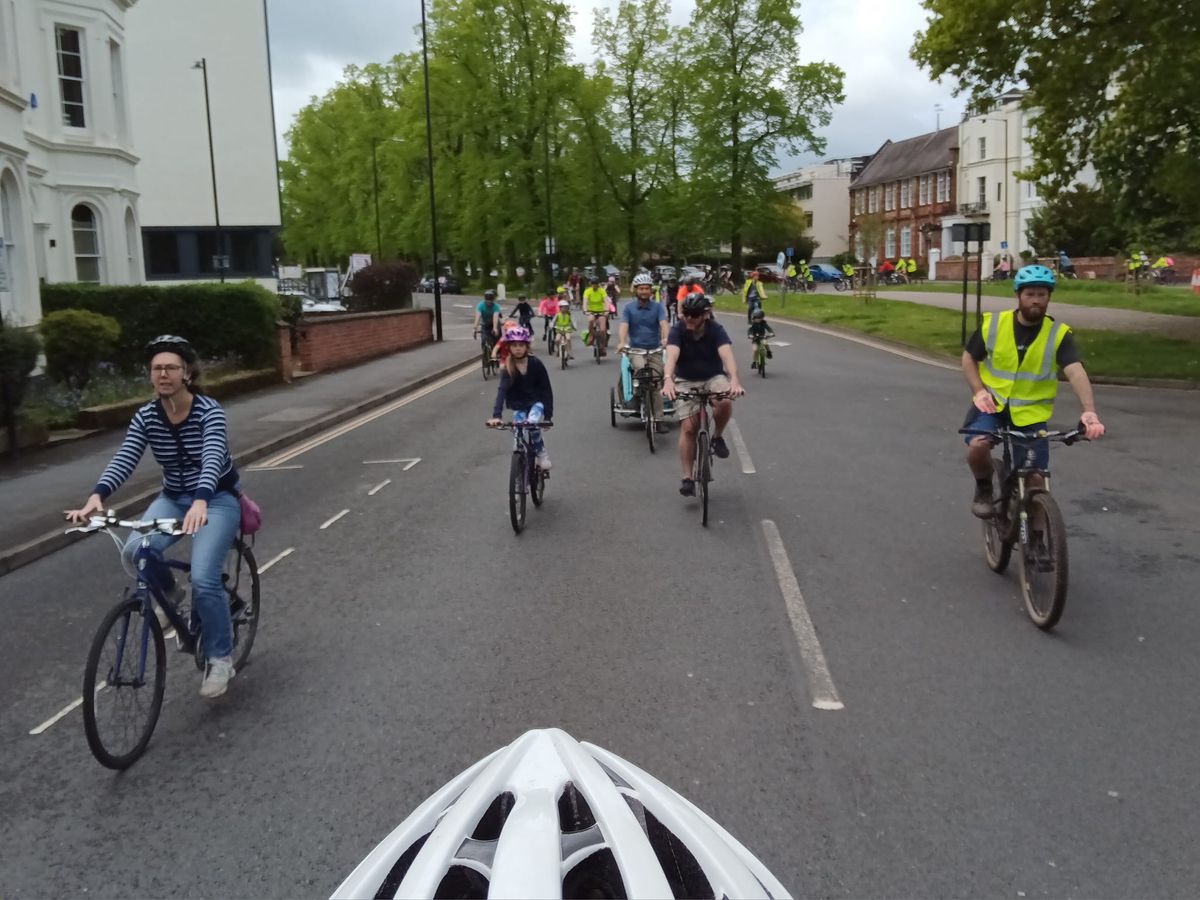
column 76, row 341
column 384, row 285
column 842, row 258
column 19, row 349
column 220, row 320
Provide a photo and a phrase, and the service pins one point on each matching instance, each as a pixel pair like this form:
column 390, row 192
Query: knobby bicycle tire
column 997, row 531
column 612, row 406
column 1046, row 611
column 131, row 610
column 537, row 481
column 516, row 491
column 487, row 365
column 245, row 604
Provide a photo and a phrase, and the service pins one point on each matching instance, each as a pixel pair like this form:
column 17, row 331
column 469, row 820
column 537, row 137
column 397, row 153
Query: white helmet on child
column 547, row 816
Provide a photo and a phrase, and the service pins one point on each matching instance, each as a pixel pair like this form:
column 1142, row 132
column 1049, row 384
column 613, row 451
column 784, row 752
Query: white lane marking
column 740, row 445
column 820, row 682
column 380, row 462
column 286, row 553
column 379, row 487
column 780, row 343
column 333, row 519
column 70, row 707
column 463, row 306
column 365, row 418
column 271, row 468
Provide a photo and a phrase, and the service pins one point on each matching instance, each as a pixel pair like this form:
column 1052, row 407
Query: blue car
column 824, row 272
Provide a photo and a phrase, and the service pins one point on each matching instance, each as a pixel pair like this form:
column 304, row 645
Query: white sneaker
column 542, row 460
column 217, row 675
column 176, row 596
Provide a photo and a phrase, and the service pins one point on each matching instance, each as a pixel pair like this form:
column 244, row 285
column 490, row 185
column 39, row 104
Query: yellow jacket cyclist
column 1011, row 364
column 595, row 305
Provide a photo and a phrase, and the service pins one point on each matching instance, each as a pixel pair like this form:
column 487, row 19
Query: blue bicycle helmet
column 1029, row 276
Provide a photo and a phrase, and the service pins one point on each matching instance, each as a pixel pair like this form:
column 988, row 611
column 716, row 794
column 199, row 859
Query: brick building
column 902, row 195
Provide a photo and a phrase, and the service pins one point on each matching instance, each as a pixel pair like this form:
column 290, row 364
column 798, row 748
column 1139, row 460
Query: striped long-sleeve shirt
column 205, row 466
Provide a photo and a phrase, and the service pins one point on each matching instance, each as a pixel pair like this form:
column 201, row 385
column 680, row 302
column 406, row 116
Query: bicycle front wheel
column 648, row 418
column 536, row 478
column 487, row 364
column 123, row 684
column 1044, row 561
column 240, row 580
column 516, row 491
column 702, row 476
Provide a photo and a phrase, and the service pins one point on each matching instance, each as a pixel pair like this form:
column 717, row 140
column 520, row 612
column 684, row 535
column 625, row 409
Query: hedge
column 220, row 320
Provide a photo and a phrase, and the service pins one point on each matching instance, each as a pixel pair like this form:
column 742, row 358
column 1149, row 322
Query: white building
column 993, row 147
column 178, row 216
column 823, row 192
column 68, row 194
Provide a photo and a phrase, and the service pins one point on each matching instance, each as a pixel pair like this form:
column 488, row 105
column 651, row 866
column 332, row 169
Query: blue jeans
column 982, row 421
column 210, row 545
column 534, row 415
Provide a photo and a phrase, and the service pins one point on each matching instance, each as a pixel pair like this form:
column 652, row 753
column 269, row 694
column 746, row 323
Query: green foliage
column 842, row 258
column 1112, row 83
column 220, row 320
column 19, row 349
column 384, row 285
column 1079, row 220
column 76, row 341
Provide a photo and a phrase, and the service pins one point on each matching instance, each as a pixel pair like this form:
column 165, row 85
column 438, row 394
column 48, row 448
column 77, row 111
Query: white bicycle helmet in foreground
column 548, row 816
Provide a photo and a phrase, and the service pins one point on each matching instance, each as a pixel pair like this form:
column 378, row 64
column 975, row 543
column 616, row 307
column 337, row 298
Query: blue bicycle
column 126, row 670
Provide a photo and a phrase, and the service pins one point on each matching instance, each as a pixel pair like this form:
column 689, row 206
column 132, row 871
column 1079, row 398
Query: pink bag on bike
column 251, row 514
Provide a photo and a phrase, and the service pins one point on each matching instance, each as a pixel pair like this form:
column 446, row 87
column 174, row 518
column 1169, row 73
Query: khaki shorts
column 687, row 408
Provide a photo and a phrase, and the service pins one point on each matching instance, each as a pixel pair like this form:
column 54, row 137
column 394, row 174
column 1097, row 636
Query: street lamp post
column 202, row 65
column 437, row 285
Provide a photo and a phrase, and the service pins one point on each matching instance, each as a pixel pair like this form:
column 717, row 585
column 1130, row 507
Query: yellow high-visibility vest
column 1026, row 386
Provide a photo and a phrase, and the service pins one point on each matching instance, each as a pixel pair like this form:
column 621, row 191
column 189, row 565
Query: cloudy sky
column 887, row 96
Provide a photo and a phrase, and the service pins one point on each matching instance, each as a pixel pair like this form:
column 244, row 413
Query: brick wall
column 1101, row 268
column 334, row 341
column 283, row 335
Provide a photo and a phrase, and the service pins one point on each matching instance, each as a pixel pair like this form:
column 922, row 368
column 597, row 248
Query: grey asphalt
column 975, row 756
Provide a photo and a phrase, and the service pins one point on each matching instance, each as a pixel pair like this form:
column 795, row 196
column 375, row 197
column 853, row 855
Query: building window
column 858, row 246
column 920, row 243
column 983, row 148
column 1030, row 190
column 873, row 200
column 889, row 197
column 808, row 219
column 70, row 75
column 858, row 203
column 162, row 254
column 804, row 192
column 87, row 244
column 905, row 241
column 943, row 187
column 131, row 246
column 9, row 257
column 982, row 191
column 923, row 199
column 889, row 243
column 188, row 253
column 906, row 193
column 118, row 88
column 999, row 191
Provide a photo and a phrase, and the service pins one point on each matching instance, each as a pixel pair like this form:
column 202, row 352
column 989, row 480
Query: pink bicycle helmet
column 518, row 335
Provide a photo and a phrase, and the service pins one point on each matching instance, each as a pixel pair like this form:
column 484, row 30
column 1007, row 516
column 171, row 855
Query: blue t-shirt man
column 643, row 322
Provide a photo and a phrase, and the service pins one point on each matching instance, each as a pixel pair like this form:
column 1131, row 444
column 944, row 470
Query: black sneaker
column 719, row 448
column 982, row 505
column 687, row 487
column 660, row 428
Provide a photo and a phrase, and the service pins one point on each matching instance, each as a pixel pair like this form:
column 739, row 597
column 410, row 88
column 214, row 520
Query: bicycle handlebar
column 659, row 351
column 704, row 395
column 110, row 520
column 513, row 426
column 1066, row 437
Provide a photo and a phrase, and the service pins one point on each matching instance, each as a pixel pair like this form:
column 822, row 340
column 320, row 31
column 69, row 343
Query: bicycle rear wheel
column 240, row 580
column 516, row 491
column 648, row 419
column 702, row 474
column 562, row 352
column 1044, row 561
column 487, row 364
column 121, row 702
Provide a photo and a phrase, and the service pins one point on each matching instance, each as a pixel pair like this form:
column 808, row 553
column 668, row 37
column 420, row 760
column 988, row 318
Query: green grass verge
column 1176, row 301
column 1106, row 353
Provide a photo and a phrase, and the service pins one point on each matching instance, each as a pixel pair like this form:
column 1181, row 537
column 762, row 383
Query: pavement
column 972, row 756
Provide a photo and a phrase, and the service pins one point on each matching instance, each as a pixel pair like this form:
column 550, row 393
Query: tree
column 750, row 98
column 1109, row 82
column 1078, row 220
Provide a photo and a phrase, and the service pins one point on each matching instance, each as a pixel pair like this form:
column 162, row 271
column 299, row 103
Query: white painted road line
column 365, row 418
column 740, row 445
column 70, row 707
column 286, row 553
column 271, row 468
column 379, row 487
column 820, row 682
column 333, row 519
column 380, row 462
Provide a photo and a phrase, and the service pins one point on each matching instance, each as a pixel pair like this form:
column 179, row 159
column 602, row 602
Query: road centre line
column 58, row 715
column 379, row 487
column 271, row 468
column 333, row 519
column 365, row 418
column 820, row 683
column 379, row 462
column 740, row 445
column 279, row 556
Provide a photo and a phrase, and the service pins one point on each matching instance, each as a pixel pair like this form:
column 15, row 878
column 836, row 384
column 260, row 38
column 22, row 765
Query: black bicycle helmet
column 758, row 314
column 170, row 343
column 696, row 304
column 489, row 295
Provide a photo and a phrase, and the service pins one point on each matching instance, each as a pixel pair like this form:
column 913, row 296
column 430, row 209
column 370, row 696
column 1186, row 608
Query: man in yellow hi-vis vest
column 1011, row 363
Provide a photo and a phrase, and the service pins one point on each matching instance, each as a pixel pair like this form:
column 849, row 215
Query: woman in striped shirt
column 185, row 431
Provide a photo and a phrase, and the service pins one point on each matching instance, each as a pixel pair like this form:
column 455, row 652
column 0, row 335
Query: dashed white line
column 70, row 707
column 271, row 468
column 820, row 683
column 379, row 462
column 286, row 553
column 379, row 487
column 740, row 445
column 333, row 519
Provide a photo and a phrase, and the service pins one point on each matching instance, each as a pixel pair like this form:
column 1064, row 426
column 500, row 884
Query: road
column 973, row 755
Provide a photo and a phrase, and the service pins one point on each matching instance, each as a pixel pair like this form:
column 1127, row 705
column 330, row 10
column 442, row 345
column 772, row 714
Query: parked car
column 824, row 272
column 666, row 273
column 449, row 285
column 689, row 271
column 770, row 272
column 313, row 305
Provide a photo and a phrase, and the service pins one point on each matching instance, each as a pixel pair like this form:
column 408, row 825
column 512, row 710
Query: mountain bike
column 126, row 669
column 524, row 475
column 645, row 382
column 599, row 340
column 842, row 283
column 702, row 463
column 1028, row 514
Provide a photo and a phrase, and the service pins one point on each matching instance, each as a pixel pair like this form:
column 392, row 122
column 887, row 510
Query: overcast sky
column 887, row 96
